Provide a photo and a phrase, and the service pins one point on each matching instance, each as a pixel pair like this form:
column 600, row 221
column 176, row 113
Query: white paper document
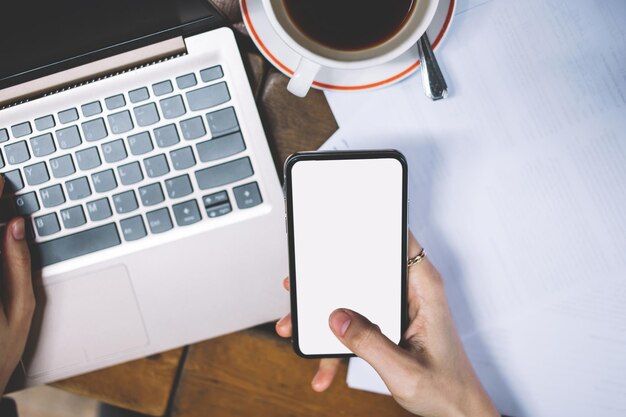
column 518, row 192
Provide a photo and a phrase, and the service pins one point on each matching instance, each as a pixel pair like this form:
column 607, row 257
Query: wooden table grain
column 145, row 385
column 254, row 372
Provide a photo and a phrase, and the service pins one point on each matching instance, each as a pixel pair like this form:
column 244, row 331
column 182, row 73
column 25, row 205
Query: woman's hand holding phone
column 17, row 302
column 429, row 374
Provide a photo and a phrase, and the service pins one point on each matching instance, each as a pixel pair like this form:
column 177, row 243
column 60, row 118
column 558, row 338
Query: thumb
column 17, row 275
column 367, row 341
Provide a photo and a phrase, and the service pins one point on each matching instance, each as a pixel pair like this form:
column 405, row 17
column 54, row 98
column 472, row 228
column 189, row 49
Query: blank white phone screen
column 347, row 230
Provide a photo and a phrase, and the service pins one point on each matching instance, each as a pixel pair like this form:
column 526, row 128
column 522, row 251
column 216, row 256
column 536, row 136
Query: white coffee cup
column 315, row 56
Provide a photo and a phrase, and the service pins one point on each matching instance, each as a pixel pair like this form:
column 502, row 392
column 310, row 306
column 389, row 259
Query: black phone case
column 341, row 155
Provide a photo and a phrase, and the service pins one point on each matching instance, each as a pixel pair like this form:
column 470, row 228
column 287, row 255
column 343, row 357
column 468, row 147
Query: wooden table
column 254, row 372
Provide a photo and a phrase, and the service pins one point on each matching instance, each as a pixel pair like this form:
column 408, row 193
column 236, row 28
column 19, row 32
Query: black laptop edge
column 211, row 19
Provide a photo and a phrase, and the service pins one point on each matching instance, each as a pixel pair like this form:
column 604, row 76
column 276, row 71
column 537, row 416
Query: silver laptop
column 130, row 139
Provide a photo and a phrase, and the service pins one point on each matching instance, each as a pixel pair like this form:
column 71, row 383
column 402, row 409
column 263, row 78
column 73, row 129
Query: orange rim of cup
column 402, row 74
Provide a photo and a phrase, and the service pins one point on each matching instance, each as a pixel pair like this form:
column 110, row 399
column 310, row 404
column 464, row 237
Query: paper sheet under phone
column 518, row 192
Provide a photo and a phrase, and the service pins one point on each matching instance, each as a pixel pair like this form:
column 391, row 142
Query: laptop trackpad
column 86, row 318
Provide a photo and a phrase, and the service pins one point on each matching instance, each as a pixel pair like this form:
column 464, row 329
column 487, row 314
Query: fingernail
column 315, row 384
column 18, row 229
column 281, row 322
column 341, row 321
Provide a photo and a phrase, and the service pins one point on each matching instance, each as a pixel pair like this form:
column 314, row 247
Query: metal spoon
column 433, row 81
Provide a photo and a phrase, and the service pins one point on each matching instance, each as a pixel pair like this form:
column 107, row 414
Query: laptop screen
column 43, row 36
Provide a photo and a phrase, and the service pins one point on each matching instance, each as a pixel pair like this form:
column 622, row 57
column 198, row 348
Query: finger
column 1, row 184
column 286, row 283
column 393, row 364
column 19, row 297
column 414, row 246
column 325, row 374
column 424, row 268
column 425, row 283
column 283, row 326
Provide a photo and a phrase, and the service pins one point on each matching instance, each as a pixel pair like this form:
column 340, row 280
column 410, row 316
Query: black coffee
column 349, row 25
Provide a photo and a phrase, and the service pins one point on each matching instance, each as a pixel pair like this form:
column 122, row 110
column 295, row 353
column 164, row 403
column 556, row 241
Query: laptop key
column 140, row 143
column 223, row 122
column 225, row 173
column 78, row 244
column 172, row 107
column 151, row 194
column 26, row 204
column 68, row 116
column 99, row 209
column 43, row 123
column 1, row 161
column 207, row 97
column 42, row 145
column 17, row 153
column 146, row 115
column 114, row 151
column 36, row 174
column 62, row 166
column 21, row 129
column 78, row 188
column 248, row 195
column 120, row 122
column 193, row 128
column 47, row 225
column 166, row 136
column 183, row 158
column 104, row 181
column 159, row 220
column 211, row 74
column 91, row 109
column 69, row 137
column 178, row 187
column 52, row 196
column 4, row 135
column 130, row 173
column 215, row 199
column 156, row 166
column 94, row 130
column 133, row 228
column 115, row 102
column 88, row 158
column 138, row 95
column 186, row 81
column 125, row 202
column 13, row 181
column 187, row 213
column 73, row 217
column 219, row 210
column 222, row 147
column 164, row 87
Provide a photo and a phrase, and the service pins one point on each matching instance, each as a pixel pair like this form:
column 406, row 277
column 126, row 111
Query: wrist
column 3, row 384
column 476, row 402
column 5, row 377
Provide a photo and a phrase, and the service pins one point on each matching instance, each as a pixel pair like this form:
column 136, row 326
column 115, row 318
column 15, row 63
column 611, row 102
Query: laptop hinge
column 92, row 71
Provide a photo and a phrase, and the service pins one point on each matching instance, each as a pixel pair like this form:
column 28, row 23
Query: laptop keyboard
column 120, row 168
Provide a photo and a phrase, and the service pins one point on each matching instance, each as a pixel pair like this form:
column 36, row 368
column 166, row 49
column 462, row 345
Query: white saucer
column 285, row 59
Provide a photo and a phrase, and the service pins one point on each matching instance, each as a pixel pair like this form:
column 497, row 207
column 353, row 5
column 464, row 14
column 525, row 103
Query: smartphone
column 347, row 232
